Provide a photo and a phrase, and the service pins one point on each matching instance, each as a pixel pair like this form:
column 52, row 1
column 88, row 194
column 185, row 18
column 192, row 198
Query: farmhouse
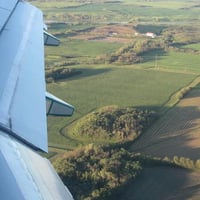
column 150, row 34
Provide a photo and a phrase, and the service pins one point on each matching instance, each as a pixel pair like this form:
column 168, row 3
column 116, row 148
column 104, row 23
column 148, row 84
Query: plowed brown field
column 164, row 184
column 177, row 133
column 109, row 33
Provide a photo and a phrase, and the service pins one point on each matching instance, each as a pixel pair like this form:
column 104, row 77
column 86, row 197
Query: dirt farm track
column 177, row 133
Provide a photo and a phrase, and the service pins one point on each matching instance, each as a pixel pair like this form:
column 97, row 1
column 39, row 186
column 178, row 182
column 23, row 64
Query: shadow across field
column 164, row 183
column 87, row 72
column 82, row 73
column 153, row 56
column 157, row 29
column 194, row 93
column 177, row 133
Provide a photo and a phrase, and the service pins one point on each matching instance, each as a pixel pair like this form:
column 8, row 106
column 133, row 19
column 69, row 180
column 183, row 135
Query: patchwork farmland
column 115, row 64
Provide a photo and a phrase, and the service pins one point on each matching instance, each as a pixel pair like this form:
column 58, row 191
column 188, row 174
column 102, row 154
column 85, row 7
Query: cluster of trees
column 92, row 173
column 76, row 18
column 55, row 74
column 171, row 39
column 101, row 173
column 184, row 162
column 114, row 123
column 181, row 35
column 132, row 53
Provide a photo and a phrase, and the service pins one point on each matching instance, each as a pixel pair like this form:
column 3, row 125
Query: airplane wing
column 23, row 102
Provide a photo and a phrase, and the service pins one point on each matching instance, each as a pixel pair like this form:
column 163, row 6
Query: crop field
column 83, row 48
column 122, row 86
column 193, row 46
column 174, row 61
column 176, row 133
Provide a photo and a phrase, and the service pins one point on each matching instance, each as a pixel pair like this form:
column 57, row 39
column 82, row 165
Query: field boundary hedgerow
column 177, row 96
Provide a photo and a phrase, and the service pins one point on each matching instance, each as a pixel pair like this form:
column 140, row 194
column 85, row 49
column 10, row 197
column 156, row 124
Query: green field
column 174, row 61
column 81, row 50
column 193, row 46
column 122, row 86
column 121, row 11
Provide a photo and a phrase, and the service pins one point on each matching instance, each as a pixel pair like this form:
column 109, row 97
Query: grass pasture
column 193, row 46
column 173, row 61
column 122, row 86
column 80, row 50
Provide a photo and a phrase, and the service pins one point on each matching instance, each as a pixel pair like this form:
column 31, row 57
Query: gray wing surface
column 25, row 175
column 22, row 84
column 6, row 8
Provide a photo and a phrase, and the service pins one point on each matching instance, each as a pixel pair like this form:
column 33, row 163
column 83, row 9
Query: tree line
column 58, row 73
column 95, row 172
column 103, row 173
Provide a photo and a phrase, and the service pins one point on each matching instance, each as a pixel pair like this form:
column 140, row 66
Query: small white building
column 150, row 34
